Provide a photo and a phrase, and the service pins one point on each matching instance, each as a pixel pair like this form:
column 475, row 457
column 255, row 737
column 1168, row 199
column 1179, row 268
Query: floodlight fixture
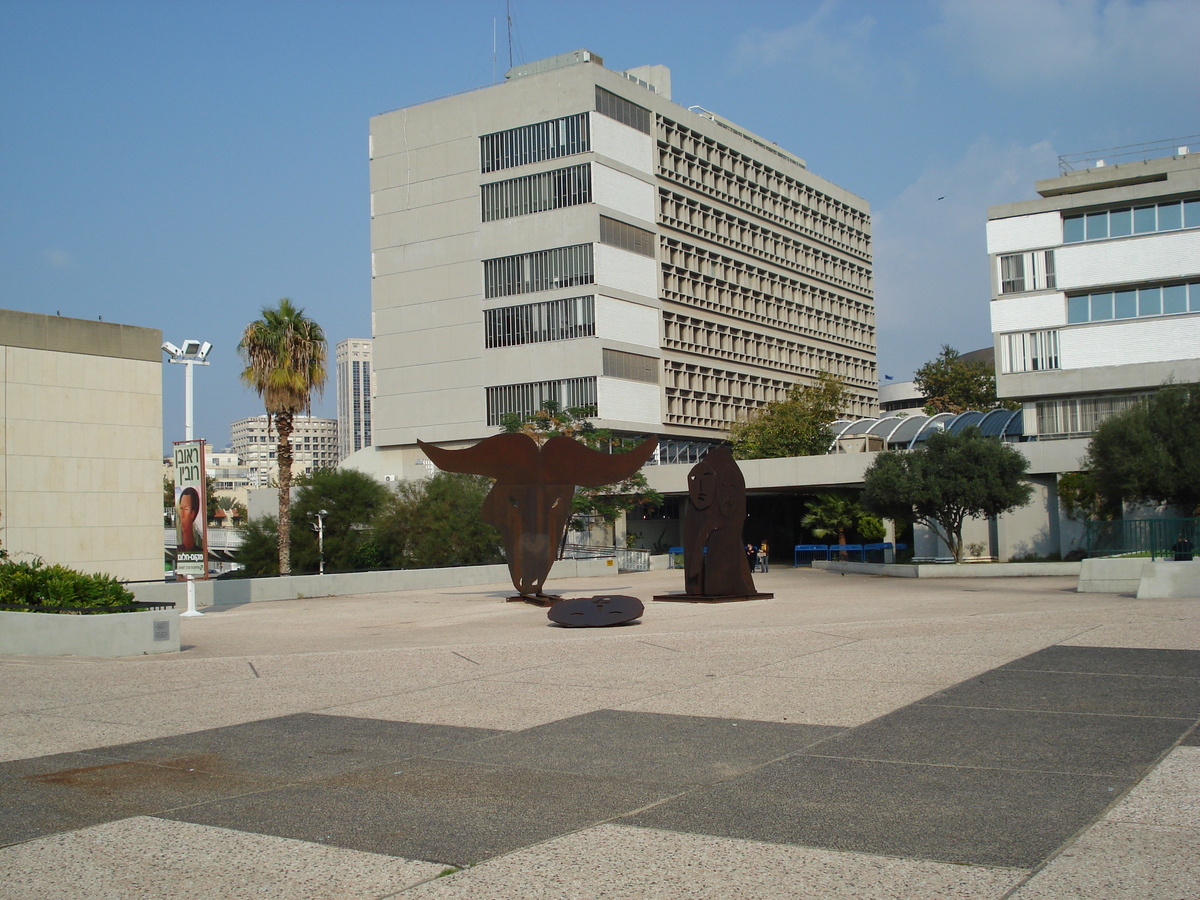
column 168, row 347
column 202, row 355
column 191, row 347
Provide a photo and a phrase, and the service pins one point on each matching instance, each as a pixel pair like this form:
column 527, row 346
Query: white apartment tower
column 314, row 446
column 354, row 388
column 571, row 234
column 1096, row 286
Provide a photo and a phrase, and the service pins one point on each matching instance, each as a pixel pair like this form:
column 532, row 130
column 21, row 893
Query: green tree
column 953, row 477
column 259, row 551
column 609, row 502
column 352, row 500
column 436, row 522
column 950, row 383
column 797, row 426
column 1149, row 452
column 1081, row 500
column 285, row 356
column 838, row 514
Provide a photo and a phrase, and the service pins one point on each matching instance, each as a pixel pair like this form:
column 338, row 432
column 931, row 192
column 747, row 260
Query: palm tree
column 832, row 514
column 285, row 361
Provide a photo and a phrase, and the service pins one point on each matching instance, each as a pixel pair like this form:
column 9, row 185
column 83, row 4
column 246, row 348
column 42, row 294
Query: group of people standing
column 757, row 557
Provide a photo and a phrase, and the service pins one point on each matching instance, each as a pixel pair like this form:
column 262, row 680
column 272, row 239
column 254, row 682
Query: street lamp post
column 319, row 528
column 192, row 353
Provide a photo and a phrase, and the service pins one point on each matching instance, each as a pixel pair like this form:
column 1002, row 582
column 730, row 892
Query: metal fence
column 632, row 560
column 1127, row 537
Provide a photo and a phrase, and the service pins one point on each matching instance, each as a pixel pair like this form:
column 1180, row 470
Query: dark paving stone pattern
column 999, row 770
column 664, row 749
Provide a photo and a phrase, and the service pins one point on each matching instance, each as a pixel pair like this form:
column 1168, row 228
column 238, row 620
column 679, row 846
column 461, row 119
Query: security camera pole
column 193, row 353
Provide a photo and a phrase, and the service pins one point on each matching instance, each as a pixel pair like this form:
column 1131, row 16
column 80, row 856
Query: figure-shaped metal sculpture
column 715, row 565
column 531, row 500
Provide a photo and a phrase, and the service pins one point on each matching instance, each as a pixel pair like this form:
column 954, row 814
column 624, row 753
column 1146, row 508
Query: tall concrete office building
column 1096, row 286
column 354, row 388
column 571, row 234
column 314, row 446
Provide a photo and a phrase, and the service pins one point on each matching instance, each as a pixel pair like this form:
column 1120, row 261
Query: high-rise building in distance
column 314, row 446
column 354, row 387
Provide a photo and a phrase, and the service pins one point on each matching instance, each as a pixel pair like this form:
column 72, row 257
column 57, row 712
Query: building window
column 537, row 193
column 525, row 399
column 542, row 270
column 631, row 366
column 627, row 237
column 533, row 143
column 615, row 107
column 1029, row 351
column 1165, row 300
column 1170, row 215
column 535, row 323
column 1079, row 416
column 1012, row 273
column 1032, row 271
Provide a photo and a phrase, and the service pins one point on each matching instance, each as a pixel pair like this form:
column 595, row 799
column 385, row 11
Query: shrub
column 36, row 584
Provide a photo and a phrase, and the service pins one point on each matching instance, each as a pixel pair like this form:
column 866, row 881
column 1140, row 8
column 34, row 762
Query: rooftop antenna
column 493, row 49
column 508, row 16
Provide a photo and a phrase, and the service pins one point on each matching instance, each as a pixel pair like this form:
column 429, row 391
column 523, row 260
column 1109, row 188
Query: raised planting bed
column 138, row 629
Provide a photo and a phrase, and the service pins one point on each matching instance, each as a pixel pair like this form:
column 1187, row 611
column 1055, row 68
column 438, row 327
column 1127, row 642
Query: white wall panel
column 1130, row 342
column 1019, row 233
column 1029, row 313
column 629, row 401
column 626, row 271
column 624, row 144
column 632, row 323
column 623, row 193
column 1153, row 258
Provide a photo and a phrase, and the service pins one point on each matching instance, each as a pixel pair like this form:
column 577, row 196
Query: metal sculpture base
column 706, row 598
column 536, row 599
column 596, row 612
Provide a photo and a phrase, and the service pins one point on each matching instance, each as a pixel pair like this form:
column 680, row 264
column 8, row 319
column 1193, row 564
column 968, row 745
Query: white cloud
column 1053, row 44
column 931, row 271
column 59, row 259
column 822, row 44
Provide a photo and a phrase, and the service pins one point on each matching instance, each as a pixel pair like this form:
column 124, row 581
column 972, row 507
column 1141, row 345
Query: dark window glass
column 1125, row 304
column 1150, row 302
column 1191, row 214
column 1102, row 307
column 1144, row 220
column 1072, row 229
column 1097, row 225
column 1175, row 299
column 1120, row 222
column 1077, row 309
column 1194, row 296
column 1170, row 216
column 625, row 112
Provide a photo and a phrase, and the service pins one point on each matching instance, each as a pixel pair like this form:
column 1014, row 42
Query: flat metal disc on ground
column 596, row 612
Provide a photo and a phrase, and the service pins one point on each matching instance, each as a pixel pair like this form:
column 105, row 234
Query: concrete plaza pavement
column 854, row 737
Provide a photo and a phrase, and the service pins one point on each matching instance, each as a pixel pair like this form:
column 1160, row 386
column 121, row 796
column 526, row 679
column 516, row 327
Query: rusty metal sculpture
column 715, row 565
column 531, row 500
column 596, row 612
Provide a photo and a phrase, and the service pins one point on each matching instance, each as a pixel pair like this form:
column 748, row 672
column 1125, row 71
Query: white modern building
column 1096, row 286
column 571, row 234
column 314, row 446
column 355, row 381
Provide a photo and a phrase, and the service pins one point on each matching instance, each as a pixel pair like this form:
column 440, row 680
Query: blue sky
column 181, row 165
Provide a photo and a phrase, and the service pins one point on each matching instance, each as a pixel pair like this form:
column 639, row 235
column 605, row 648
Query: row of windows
column 537, row 193
column 1029, row 351
column 1079, row 416
column 525, row 399
column 1134, row 304
column 535, row 323
column 1033, row 271
column 754, row 348
column 630, row 366
column 626, row 237
column 724, row 228
column 810, row 207
column 542, row 270
column 1110, row 223
column 533, row 143
column 609, row 104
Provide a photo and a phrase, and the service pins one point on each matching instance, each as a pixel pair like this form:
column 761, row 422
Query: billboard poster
column 191, row 519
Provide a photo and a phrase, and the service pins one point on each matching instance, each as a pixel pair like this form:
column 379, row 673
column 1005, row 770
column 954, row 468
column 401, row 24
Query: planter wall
column 106, row 634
